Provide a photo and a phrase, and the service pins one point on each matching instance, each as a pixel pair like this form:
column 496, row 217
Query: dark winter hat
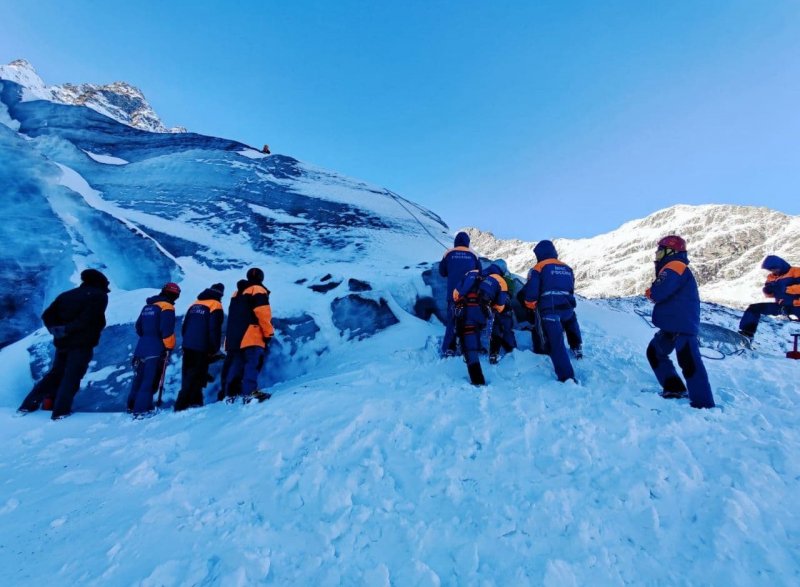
column 94, row 278
column 545, row 250
column 255, row 275
column 218, row 287
column 461, row 240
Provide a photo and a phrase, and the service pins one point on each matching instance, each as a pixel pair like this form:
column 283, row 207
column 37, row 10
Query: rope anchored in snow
column 390, row 194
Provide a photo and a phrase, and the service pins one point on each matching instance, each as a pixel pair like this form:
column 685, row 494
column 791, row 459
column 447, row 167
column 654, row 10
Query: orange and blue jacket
column 457, row 261
column 478, row 292
column 676, row 297
column 202, row 324
column 551, row 283
column 249, row 317
column 155, row 327
column 784, row 283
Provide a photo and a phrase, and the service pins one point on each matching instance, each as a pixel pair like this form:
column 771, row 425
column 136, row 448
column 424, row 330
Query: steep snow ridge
column 118, row 100
column 726, row 246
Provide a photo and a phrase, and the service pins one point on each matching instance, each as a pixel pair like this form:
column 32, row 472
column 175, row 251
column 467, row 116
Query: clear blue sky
column 529, row 119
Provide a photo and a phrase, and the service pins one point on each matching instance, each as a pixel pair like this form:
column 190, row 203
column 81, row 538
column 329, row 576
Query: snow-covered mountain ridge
column 118, row 100
column 726, row 246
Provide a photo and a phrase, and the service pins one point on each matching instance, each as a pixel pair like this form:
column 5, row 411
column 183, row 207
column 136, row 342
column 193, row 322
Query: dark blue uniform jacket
column 677, row 301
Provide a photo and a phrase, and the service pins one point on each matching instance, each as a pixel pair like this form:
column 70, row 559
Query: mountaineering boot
column 476, row 374
column 449, row 354
column 257, row 395
column 494, row 358
column 577, row 352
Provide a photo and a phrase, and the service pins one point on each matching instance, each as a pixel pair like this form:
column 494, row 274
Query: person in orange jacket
column 249, row 334
column 156, row 329
column 783, row 284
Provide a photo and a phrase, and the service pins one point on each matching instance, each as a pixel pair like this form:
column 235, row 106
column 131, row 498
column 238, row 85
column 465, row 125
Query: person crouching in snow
column 475, row 298
column 202, row 335
column 156, row 329
column 783, row 284
column 677, row 314
column 502, row 335
column 550, row 289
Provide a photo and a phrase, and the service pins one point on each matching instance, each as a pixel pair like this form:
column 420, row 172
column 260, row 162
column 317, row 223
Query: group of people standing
column 77, row 317
column 478, row 303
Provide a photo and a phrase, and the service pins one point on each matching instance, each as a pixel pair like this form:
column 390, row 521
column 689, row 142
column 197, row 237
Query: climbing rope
column 390, row 194
column 723, row 355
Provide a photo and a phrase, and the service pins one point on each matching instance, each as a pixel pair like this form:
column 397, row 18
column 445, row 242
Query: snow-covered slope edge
column 726, row 246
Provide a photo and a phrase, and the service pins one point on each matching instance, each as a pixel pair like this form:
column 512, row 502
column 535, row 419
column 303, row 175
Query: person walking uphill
column 249, row 335
column 475, row 298
column 156, row 329
column 677, row 315
column 783, row 284
column 202, row 335
column 75, row 319
column 550, row 289
column 454, row 265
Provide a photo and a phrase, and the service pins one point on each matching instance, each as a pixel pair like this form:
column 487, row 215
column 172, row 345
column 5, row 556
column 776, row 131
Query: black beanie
column 218, row 287
column 94, row 278
column 255, row 275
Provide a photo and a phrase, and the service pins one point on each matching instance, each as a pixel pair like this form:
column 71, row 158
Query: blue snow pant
column 691, row 363
column 449, row 340
column 749, row 321
column 61, row 382
column 555, row 326
column 503, row 332
column 245, row 365
column 147, row 375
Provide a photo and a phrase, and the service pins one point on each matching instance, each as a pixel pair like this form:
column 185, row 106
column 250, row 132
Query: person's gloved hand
column 58, row 331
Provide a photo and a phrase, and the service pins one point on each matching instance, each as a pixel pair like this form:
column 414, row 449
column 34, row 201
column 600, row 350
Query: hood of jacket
column 774, row 263
column 461, row 240
column 545, row 250
column 210, row 294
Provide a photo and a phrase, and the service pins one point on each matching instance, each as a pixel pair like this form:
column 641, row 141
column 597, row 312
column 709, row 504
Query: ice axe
column 161, row 381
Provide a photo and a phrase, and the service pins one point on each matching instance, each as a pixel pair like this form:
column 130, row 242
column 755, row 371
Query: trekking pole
column 161, row 381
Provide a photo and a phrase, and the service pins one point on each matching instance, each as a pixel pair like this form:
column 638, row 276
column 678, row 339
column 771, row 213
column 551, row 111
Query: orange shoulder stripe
column 210, row 304
column 677, row 266
column 165, row 306
column 539, row 266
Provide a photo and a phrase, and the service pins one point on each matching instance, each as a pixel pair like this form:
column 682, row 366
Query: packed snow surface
column 385, row 467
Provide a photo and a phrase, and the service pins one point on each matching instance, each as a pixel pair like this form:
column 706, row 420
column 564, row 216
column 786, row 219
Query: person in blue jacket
column 454, row 265
column 75, row 319
column 202, row 335
column 478, row 294
column 677, row 314
column 156, row 329
column 783, row 284
column 502, row 335
column 550, row 289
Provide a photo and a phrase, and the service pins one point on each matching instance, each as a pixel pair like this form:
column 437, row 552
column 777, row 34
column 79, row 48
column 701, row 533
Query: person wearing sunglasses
column 677, row 315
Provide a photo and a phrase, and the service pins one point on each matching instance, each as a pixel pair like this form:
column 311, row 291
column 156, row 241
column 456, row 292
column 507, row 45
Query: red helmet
column 172, row 288
column 673, row 242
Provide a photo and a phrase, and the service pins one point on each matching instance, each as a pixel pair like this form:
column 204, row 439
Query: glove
column 58, row 331
column 531, row 305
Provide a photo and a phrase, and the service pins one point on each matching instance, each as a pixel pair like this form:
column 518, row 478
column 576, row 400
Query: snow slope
column 385, row 467
column 726, row 247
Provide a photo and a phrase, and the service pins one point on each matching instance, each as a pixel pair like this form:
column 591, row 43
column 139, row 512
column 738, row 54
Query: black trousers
column 61, row 383
column 194, row 376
